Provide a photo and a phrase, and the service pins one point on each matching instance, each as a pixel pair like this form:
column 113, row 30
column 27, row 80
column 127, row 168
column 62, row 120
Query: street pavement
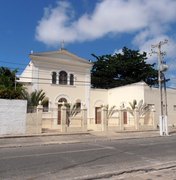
column 165, row 173
column 61, row 138
column 161, row 171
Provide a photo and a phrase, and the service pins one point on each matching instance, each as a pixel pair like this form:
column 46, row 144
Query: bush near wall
column 10, row 94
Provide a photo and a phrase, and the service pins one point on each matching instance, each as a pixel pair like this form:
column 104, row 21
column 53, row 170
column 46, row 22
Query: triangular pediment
column 59, row 56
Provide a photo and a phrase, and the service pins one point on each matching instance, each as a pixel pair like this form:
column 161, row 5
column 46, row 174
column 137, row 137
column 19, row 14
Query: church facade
column 66, row 79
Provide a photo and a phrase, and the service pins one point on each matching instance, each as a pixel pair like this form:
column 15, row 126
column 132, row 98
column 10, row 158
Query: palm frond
column 131, row 111
column 111, row 111
column 133, row 104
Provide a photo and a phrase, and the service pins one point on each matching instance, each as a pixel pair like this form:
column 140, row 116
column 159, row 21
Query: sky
column 86, row 26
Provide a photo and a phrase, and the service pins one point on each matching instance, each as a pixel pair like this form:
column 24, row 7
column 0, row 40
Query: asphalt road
column 90, row 160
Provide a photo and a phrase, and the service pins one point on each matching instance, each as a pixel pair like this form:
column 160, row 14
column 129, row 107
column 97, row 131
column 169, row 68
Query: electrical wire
column 42, row 72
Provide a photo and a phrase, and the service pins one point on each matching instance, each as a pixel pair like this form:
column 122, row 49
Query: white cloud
column 55, row 25
column 149, row 21
column 147, row 18
column 117, row 51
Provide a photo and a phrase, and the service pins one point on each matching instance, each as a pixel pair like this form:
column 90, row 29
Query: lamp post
column 161, row 81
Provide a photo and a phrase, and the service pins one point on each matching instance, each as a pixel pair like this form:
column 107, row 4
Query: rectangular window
column 54, row 75
column 71, row 79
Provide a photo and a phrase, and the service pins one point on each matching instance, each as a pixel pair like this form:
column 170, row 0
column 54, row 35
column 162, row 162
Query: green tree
column 9, row 87
column 122, row 68
column 34, row 98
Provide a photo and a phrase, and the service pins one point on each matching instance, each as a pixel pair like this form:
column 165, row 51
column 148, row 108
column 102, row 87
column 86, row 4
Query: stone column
column 154, row 124
column 63, row 118
column 136, row 119
column 84, row 118
column 55, row 115
column 39, row 118
column 104, row 119
column 57, row 78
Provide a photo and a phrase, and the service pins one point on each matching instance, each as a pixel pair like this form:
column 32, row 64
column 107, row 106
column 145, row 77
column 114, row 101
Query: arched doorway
column 60, row 102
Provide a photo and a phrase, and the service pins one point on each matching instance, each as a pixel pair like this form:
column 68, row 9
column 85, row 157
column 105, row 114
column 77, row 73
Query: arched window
column 62, row 77
column 61, row 100
column 71, row 79
column 54, row 75
column 45, row 104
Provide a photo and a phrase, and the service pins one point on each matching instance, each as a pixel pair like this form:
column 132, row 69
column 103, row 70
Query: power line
column 48, row 79
column 44, row 72
column 8, row 62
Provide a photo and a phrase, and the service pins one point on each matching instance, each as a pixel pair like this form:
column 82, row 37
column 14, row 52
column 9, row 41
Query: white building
column 65, row 77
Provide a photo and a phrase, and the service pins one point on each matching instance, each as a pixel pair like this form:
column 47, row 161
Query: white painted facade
column 39, row 76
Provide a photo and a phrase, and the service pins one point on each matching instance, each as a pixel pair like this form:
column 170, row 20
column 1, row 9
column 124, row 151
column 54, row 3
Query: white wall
column 125, row 94
column 12, row 117
column 152, row 96
column 98, row 97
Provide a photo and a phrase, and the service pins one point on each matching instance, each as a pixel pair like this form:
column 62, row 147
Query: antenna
column 62, row 44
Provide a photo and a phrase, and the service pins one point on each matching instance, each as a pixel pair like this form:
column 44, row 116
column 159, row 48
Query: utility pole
column 162, row 86
column 166, row 112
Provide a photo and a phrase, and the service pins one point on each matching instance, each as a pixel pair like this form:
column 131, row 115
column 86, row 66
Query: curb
column 72, row 133
column 43, row 135
column 93, row 138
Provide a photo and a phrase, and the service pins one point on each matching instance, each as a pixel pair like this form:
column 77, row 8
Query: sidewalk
column 46, row 139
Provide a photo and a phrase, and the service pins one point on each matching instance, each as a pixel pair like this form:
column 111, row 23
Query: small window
column 71, row 79
column 63, row 77
column 54, row 75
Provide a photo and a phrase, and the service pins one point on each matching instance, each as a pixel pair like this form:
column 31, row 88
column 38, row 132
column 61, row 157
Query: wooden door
column 98, row 115
column 59, row 115
column 125, row 117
